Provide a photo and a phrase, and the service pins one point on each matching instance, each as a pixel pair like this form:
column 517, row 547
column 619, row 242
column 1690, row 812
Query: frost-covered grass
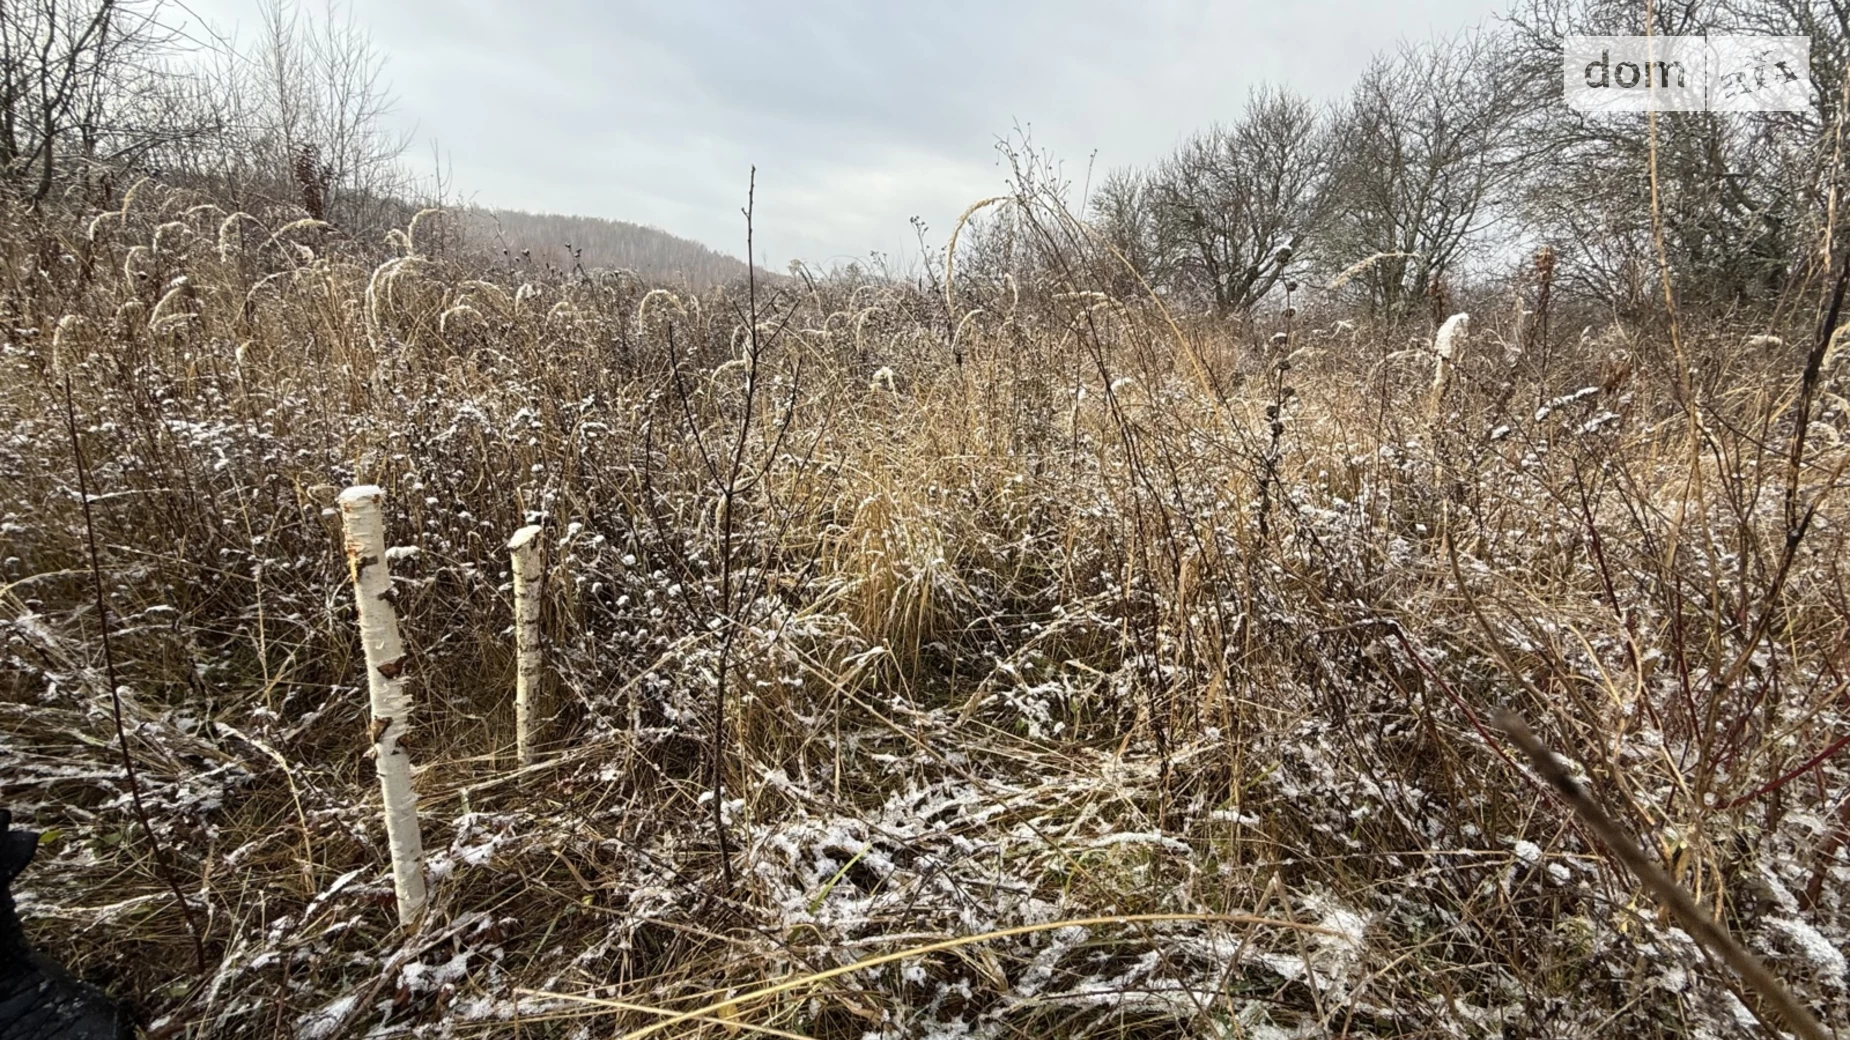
column 1047, row 623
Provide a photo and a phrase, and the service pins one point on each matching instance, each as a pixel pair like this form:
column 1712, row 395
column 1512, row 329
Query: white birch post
column 525, row 547
column 391, row 705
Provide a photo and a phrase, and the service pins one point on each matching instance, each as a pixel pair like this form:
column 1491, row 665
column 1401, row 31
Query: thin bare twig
column 161, row 861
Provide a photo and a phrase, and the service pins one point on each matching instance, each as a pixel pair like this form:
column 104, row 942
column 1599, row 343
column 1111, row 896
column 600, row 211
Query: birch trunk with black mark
column 385, row 679
column 525, row 547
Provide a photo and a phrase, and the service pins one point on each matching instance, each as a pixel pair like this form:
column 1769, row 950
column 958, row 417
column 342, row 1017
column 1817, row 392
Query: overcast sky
column 859, row 114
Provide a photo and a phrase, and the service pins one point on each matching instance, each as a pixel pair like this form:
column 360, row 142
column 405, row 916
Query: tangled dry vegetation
column 1023, row 607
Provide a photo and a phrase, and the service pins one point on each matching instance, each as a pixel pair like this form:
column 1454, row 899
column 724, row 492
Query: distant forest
column 562, row 242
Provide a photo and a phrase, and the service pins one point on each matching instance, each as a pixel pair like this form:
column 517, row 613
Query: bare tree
column 1735, row 192
column 78, row 81
column 324, row 95
column 303, row 109
column 1730, row 215
column 1216, row 220
column 1428, row 147
column 1121, row 210
column 1827, row 23
column 1803, row 164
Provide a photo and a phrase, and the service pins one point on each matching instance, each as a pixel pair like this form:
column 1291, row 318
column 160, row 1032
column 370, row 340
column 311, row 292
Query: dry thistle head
column 1545, row 264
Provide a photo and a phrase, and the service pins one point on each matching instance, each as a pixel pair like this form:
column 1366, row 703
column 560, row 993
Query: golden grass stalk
column 724, row 1010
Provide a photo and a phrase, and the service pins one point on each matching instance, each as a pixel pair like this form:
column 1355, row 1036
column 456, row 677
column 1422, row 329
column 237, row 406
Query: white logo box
column 1686, row 73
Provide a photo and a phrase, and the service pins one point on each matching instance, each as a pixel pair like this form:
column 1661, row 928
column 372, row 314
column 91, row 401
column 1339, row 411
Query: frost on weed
column 1000, row 640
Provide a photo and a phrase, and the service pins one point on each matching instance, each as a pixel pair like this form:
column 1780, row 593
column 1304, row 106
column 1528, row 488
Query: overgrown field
column 984, row 611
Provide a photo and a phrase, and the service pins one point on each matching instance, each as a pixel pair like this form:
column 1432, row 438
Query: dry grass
column 1065, row 629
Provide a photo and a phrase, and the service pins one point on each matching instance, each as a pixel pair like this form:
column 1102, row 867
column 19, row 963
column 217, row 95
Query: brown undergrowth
column 1026, row 605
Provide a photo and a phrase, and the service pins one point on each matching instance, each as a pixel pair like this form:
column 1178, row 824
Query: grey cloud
column 857, row 114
